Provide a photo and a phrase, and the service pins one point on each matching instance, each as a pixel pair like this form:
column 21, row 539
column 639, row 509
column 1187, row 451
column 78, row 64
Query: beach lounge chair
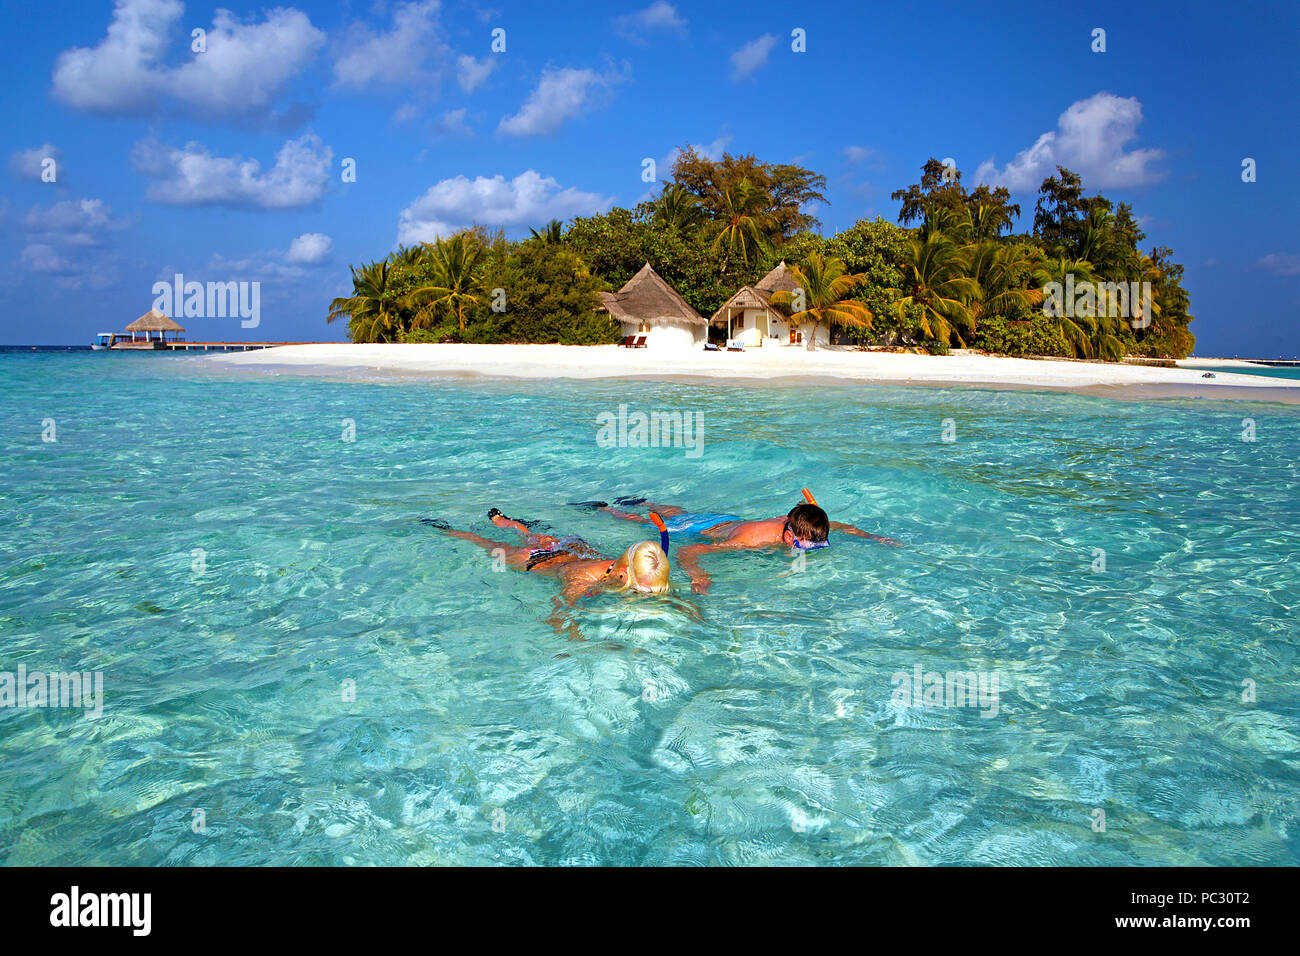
column 639, row 343
column 735, row 345
column 626, row 341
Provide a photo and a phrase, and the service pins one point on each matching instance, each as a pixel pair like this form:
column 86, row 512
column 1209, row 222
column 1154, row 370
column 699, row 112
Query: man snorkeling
column 581, row 568
column 804, row 528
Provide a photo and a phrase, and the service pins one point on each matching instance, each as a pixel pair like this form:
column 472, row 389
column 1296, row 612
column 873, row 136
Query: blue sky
column 226, row 164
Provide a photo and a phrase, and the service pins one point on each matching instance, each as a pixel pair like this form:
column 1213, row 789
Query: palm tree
column 936, row 280
column 371, row 310
column 825, row 286
column 552, row 233
column 1151, row 272
column 942, row 221
column 677, row 207
column 410, row 257
column 1096, row 235
column 998, row 270
column 455, row 265
column 987, row 220
column 742, row 224
column 1088, row 336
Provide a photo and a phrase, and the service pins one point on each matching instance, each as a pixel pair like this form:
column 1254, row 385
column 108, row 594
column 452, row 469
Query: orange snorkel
column 658, row 522
column 807, row 496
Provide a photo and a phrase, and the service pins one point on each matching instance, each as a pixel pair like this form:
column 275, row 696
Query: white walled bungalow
column 750, row 316
column 649, row 306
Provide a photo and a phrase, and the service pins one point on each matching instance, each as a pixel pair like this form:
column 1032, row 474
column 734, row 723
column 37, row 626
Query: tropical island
column 737, row 236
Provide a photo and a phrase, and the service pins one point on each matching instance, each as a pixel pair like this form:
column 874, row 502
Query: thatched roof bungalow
column 151, row 322
column 649, row 306
column 750, row 316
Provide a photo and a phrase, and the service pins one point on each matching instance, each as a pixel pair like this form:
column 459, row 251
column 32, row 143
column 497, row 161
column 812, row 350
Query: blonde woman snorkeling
column 581, row 569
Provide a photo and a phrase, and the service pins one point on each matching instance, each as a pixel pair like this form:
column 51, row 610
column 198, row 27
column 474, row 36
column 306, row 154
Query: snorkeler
column 580, row 567
column 804, row 528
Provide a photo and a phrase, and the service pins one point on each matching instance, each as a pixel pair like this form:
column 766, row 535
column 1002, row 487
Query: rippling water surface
column 209, row 541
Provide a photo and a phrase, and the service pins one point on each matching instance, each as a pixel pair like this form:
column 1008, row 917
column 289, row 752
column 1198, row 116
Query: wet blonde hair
column 647, row 567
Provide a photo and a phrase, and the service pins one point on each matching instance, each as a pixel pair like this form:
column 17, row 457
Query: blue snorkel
column 658, row 522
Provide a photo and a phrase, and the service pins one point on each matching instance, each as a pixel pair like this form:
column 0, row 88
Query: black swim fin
column 589, row 504
column 436, row 523
column 629, row 500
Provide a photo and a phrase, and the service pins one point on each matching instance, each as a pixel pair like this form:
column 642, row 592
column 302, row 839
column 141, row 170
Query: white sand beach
column 766, row 365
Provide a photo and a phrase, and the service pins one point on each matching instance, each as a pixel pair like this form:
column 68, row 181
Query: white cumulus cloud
column 73, row 222
column 27, row 163
column 1091, row 138
column 527, row 200
column 746, row 61
column 69, row 241
column 192, row 176
column 559, row 95
column 472, row 73
column 309, row 249
column 410, row 51
column 242, row 69
column 660, row 16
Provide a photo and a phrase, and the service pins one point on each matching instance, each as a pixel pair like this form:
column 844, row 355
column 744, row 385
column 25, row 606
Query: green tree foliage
column 786, row 190
column 550, row 296
column 826, row 286
column 456, row 265
column 953, row 273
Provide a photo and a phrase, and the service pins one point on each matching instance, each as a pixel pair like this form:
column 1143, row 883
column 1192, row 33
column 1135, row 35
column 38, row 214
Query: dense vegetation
column 953, row 273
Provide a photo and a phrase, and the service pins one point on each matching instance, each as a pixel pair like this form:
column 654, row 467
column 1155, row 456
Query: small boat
column 103, row 341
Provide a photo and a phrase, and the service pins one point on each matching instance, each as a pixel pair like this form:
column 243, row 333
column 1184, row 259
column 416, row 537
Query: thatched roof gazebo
column 647, row 305
column 154, row 321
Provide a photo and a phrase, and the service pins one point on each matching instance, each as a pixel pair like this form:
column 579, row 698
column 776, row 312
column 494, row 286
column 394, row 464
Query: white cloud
column 73, row 222
column 453, row 123
column 560, row 95
column 472, row 73
column 69, row 240
column 26, row 163
column 751, row 56
column 1283, row 263
column 309, row 249
column 527, row 200
column 660, row 16
column 41, row 257
column 243, row 68
column 194, row 177
column 1090, row 138
column 853, row 155
column 402, row 54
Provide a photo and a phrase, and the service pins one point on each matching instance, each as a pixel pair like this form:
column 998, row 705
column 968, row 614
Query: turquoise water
column 765, row 731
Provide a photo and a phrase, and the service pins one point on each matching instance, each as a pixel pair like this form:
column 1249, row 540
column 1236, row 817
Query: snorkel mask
column 798, row 544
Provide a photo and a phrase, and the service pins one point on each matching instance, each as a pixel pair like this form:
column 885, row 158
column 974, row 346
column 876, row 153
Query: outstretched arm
column 625, row 515
column 688, row 559
column 850, row 529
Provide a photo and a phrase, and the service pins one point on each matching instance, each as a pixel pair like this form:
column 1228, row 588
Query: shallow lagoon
column 210, row 543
